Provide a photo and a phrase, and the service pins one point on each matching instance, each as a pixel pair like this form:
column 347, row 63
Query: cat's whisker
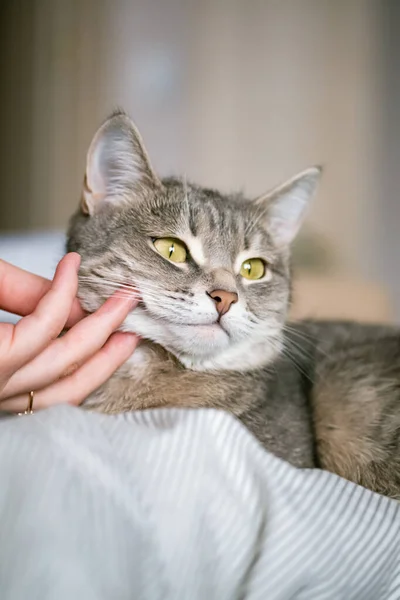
column 308, row 339
column 286, row 351
column 148, row 289
column 300, row 368
column 110, row 283
column 142, row 283
column 300, row 334
column 296, row 347
column 131, row 290
column 116, row 282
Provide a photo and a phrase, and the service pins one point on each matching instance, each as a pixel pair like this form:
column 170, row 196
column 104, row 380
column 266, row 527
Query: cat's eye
column 253, row 268
column 170, row 248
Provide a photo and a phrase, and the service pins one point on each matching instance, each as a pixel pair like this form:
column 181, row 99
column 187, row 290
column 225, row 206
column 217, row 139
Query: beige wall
column 278, row 86
column 252, row 92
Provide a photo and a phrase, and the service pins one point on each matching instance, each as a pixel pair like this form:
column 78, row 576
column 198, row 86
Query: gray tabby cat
column 213, row 275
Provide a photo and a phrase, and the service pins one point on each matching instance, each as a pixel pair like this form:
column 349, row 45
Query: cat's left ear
column 118, row 168
column 283, row 208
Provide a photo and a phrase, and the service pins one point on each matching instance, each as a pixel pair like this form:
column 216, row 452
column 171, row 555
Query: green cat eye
column 170, row 248
column 253, row 268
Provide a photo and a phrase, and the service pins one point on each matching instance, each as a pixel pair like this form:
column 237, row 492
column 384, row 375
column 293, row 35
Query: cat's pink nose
column 223, row 300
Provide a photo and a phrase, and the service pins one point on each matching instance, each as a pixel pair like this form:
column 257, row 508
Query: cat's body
column 334, row 403
column 213, row 276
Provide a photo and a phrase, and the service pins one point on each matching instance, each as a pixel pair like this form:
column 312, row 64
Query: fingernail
column 115, row 302
column 131, row 335
column 133, row 300
column 131, row 339
column 76, row 259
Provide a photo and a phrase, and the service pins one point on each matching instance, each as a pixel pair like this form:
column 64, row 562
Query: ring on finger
column 29, row 408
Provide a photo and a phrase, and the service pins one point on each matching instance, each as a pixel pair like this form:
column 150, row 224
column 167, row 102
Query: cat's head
column 212, row 270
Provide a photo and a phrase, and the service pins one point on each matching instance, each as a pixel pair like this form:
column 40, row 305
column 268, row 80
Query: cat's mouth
column 209, row 329
column 217, row 324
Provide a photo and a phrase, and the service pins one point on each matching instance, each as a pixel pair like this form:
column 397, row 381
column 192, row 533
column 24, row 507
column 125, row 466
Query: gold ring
column 29, row 408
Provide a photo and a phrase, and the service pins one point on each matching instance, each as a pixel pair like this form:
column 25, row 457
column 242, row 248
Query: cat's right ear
column 117, row 167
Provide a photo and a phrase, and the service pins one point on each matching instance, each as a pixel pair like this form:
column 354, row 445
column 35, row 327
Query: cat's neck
column 247, row 356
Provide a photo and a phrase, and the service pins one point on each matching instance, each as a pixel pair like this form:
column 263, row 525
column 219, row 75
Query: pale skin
column 32, row 355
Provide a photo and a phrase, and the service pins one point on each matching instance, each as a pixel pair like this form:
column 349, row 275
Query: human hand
column 33, row 357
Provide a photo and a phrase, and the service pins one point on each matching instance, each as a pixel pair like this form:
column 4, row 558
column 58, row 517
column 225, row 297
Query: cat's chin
column 206, row 346
column 201, row 340
column 211, row 336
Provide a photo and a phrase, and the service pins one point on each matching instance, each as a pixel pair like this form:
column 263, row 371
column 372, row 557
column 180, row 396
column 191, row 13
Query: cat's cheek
column 139, row 322
column 89, row 300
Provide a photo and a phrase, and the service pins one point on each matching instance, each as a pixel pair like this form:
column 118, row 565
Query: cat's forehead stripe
column 219, row 233
column 193, row 223
column 196, row 250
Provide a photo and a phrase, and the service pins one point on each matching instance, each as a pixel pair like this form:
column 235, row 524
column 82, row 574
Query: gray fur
column 316, row 394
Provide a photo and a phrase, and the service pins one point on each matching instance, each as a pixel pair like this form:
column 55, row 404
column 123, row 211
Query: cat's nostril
column 217, row 298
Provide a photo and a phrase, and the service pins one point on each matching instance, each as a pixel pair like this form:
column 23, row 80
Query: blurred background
column 237, row 94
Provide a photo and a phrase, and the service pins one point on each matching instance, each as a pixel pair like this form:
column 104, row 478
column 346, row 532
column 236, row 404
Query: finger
column 73, row 349
column 34, row 332
column 21, row 291
column 89, row 377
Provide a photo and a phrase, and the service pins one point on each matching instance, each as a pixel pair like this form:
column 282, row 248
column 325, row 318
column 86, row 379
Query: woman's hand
column 34, row 358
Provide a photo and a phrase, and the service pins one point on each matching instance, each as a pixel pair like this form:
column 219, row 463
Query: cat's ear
column 117, row 165
column 283, row 208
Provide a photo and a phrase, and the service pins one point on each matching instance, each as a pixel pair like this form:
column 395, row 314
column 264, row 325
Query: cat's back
column 331, row 335
column 354, row 371
column 322, row 373
column 350, row 349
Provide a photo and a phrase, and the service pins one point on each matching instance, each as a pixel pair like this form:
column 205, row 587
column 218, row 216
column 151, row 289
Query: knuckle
column 50, row 325
column 54, row 330
column 70, row 370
